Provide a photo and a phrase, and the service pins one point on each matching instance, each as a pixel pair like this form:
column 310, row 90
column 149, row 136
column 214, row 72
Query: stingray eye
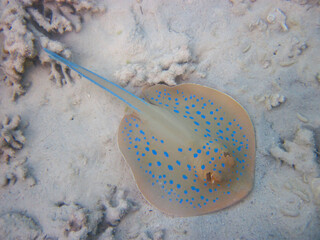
column 208, row 176
column 226, row 154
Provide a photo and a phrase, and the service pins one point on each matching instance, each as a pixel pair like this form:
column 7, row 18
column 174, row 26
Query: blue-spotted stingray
column 191, row 148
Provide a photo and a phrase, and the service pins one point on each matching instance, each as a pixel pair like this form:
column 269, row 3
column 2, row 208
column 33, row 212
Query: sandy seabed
column 62, row 175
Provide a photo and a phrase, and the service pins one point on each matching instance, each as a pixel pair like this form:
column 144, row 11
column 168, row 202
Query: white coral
column 25, row 26
column 272, row 100
column 14, row 171
column 165, row 69
column 299, row 153
column 76, row 221
column 278, row 18
column 117, row 205
column 11, row 137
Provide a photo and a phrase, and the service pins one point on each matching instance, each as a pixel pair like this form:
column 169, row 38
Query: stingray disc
column 195, row 154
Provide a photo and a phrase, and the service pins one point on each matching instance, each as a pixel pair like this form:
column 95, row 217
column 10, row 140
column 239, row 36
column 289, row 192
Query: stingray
column 191, row 148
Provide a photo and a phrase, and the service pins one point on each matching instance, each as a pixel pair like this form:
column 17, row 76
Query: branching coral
column 78, row 222
column 11, row 138
column 165, row 69
column 117, row 205
column 14, row 171
column 27, row 27
column 300, row 153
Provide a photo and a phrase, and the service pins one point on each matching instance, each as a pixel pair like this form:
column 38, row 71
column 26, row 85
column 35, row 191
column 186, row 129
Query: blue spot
column 198, row 151
column 222, row 164
column 154, row 152
column 150, row 164
column 147, row 149
column 239, row 149
column 171, row 182
column 230, row 123
column 170, row 167
column 142, row 132
column 193, row 105
column 195, row 155
column 203, row 116
column 176, row 111
column 210, row 190
column 216, row 150
column 208, row 152
column 166, row 154
column 184, row 176
column 178, row 186
column 161, row 141
column 196, row 123
column 207, row 122
column 189, row 166
column 203, row 167
column 181, row 200
column 198, row 112
column 185, row 192
column 159, row 163
column 178, row 162
column 180, row 149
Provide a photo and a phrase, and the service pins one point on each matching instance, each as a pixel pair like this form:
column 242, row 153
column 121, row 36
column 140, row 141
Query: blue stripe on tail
column 78, row 69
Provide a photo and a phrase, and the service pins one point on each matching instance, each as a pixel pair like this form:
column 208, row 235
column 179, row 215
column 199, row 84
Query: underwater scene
column 159, row 120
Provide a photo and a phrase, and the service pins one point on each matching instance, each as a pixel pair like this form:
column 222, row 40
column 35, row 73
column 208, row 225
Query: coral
column 77, row 222
column 19, row 226
column 165, row 69
column 27, row 25
column 272, row 100
column 315, row 187
column 14, row 171
column 117, row 205
column 11, row 137
column 277, row 18
column 300, row 153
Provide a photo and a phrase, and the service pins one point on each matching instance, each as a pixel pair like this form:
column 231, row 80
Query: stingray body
column 191, row 148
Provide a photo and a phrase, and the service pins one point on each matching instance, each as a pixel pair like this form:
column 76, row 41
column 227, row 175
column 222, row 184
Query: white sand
column 71, row 144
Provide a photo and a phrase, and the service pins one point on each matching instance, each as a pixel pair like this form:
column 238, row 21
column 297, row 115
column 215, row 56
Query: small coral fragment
column 14, row 171
column 11, row 138
column 77, row 222
column 117, row 205
column 272, row 100
column 300, row 153
column 277, row 17
column 165, row 69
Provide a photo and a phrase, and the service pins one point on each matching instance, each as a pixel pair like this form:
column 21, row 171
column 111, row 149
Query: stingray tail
column 130, row 99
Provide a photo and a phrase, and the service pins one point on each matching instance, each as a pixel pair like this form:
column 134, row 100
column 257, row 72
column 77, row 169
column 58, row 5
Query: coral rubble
column 78, row 222
column 165, row 69
column 272, row 100
column 14, row 171
column 11, row 137
column 27, row 27
column 299, row 153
